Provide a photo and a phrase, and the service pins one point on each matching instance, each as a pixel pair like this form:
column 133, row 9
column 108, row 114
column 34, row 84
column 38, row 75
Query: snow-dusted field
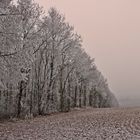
column 82, row 124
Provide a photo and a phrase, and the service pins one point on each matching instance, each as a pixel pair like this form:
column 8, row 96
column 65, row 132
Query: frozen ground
column 82, row 124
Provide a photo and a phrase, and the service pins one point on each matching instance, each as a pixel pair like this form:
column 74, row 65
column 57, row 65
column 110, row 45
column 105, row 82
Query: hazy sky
column 111, row 34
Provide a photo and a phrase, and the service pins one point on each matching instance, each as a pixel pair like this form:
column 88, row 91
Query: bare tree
column 43, row 67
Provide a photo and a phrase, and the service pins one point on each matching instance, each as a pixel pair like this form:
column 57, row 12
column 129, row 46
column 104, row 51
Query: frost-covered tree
column 43, row 67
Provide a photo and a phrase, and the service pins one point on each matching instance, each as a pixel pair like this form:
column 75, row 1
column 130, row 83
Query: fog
column 111, row 34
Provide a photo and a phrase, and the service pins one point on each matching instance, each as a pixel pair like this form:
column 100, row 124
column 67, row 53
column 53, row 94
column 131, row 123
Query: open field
column 80, row 124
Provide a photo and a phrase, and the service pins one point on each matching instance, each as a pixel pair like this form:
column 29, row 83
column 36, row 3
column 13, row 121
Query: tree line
column 43, row 66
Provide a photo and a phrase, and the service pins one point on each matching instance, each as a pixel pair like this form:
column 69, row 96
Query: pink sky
column 111, row 34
